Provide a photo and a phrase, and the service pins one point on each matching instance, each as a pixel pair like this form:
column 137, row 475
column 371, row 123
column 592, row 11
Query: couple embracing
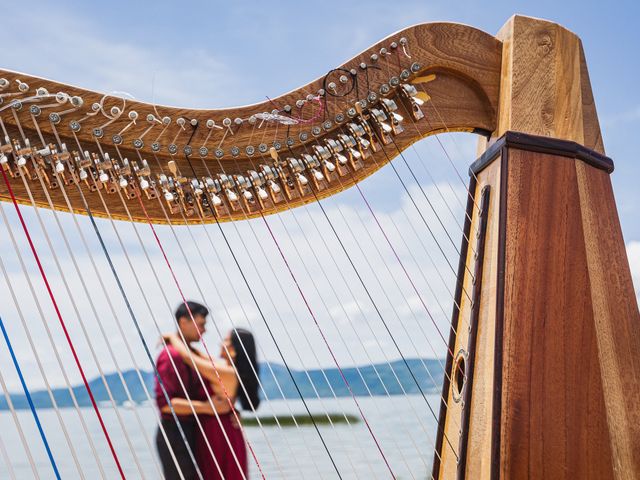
column 193, row 383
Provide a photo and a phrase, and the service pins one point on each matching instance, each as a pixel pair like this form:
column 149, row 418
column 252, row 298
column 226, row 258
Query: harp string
column 378, row 311
column 21, row 434
column 262, row 316
column 194, row 277
column 229, row 316
column 151, row 314
column 471, row 172
column 34, row 413
column 63, row 325
column 357, row 303
column 226, row 394
column 249, row 256
column 292, row 211
column 246, row 316
column 394, row 309
column 335, row 326
column 36, row 355
column 324, row 338
column 7, row 460
column 292, row 342
column 209, row 447
column 138, row 331
column 397, row 257
column 295, row 315
column 426, row 197
column 80, row 317
column 52, row 342
column 92, row 306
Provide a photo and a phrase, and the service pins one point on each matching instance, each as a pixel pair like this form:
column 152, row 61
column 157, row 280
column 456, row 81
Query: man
column 180, row 381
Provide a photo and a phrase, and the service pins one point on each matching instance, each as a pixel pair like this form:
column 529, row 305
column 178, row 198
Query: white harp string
column 21, row 434
column 41, row 369
column 202, row 382
column 52, row 343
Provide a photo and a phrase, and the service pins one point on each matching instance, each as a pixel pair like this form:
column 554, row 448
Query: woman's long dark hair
column 245, row 347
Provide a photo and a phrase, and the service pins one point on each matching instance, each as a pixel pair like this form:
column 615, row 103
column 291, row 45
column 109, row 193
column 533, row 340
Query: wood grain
column 545, row 88
column 464, row 96
column 553, row 422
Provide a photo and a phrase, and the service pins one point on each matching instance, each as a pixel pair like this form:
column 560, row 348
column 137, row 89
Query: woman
column 230, row 379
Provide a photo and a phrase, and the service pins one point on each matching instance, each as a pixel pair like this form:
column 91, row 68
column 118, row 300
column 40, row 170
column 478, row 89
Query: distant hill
column 396, row 377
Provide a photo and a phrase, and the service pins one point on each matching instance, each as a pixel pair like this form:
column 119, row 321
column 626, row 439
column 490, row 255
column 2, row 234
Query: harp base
column 557, row 351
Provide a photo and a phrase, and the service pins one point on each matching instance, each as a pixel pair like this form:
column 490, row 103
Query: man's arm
column 182, row 406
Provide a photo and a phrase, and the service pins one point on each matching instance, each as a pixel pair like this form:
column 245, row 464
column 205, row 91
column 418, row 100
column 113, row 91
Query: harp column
column 555, row 382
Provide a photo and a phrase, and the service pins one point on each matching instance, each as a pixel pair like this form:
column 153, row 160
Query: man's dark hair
column 195, row 307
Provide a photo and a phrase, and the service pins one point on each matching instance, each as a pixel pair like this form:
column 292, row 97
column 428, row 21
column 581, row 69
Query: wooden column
column 557, row 369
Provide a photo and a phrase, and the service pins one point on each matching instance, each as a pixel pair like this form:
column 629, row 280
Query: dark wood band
column 534, row 143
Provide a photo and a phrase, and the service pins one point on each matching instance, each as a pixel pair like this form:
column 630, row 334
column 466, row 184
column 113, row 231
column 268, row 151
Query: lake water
column 404, row 427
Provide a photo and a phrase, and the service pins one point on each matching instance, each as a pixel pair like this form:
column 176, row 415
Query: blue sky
column 208, row 55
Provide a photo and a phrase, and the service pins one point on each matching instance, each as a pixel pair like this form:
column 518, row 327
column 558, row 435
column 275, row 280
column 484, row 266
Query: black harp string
column 121, row 288
column 292, row 310
column 281, row 289
column 139, row 332
column 76, row 309
column 200, row 291
column 261, row 313
column 285, row 329
column 104, row 289
column 376, row 307
column 306, row 269
column 293, row 418
column 246, row 316
column 330, row 315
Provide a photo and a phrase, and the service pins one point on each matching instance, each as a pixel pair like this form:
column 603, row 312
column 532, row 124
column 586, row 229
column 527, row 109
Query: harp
column 541, row 374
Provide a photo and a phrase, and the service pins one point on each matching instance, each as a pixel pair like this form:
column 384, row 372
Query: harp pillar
column 553, row 388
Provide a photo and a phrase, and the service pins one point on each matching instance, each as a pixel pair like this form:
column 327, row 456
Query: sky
column 211, row 55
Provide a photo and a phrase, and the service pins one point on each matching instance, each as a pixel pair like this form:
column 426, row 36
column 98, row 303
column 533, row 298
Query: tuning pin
column 262, row 193
column 275, row 188
column 386, row 127
column 233, row 196
column 342, row 159
column 144, row 184
column 355, row 153
column 329, row 166
column 302, row 179
column 123, row 182
column 317, row 174
column 4, row 83
column 59, row 167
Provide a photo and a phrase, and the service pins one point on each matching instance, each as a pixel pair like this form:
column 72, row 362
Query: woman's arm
column 182, row 406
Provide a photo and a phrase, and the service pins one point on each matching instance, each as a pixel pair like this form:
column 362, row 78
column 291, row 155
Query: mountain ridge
column 422, row 374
